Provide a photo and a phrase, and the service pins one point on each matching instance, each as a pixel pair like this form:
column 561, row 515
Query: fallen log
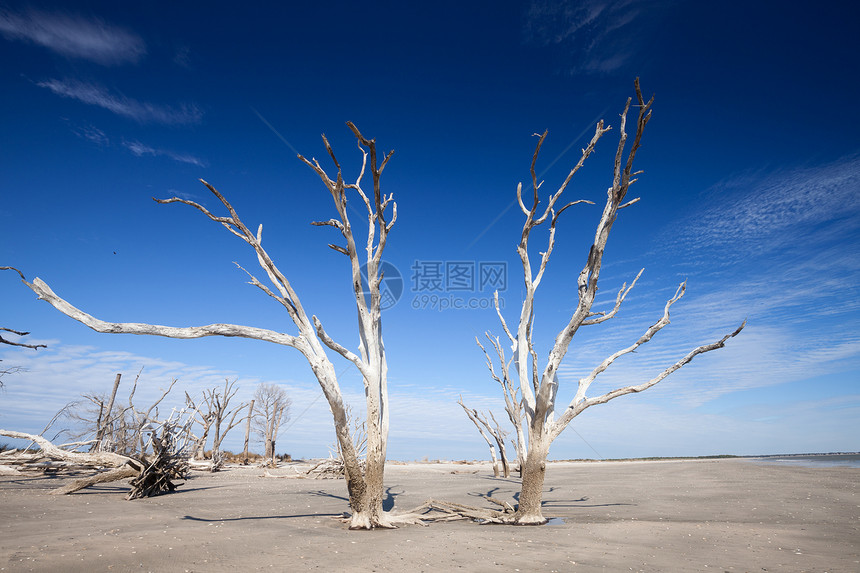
column 108, row 459
column 104, row 477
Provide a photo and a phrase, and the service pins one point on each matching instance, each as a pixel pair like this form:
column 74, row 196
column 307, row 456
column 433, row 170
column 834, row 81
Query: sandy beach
column 703, row 515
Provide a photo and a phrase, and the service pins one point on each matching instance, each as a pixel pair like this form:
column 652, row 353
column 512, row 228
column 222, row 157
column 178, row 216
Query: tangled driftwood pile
column 152, row 474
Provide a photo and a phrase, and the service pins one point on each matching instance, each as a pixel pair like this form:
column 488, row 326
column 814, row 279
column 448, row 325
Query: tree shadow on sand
column 549, row 504
column 387, row 502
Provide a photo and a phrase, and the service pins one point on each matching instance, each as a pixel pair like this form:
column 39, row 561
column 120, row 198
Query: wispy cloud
column 141, row 149
column 91, row 134
column 769, row 247
column 755, row 212
column 601, row 33
column 142, row 112
column 73, row 36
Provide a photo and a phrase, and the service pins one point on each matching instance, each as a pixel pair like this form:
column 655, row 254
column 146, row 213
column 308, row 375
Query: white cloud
column 141, row 149
column 142, row 112
column 74, row 36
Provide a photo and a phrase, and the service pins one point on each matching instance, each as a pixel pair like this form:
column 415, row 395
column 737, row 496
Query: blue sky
column 750, row 192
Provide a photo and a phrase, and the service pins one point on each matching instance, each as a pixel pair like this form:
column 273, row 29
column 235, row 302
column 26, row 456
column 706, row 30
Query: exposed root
column 434, row 510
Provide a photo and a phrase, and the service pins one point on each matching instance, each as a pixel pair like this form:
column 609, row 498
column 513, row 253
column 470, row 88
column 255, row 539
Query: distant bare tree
column 271, row 412
column 215, row 413
column 498, row 434
column 109, row 427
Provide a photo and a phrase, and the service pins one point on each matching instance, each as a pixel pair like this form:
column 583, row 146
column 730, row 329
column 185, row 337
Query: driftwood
column 152, row 475
column 49, row 450
column 103, row 477
column 168, row 462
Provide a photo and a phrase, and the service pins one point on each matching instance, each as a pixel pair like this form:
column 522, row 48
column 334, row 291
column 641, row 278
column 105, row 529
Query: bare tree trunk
column 531, row 493
column 106, row 418
column 248, row 431
column 503, row 455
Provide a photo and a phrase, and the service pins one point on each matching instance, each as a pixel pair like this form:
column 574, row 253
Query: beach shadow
column 387, row 502
column 321, row 493
column 257, row 517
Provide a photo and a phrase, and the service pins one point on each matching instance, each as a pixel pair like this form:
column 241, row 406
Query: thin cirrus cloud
column 142, row 112
column 597, row 32
column 73, row 36
column 141, row 149
column 759, row 211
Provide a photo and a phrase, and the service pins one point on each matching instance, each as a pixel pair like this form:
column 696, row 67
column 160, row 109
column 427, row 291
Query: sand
column 712, row 515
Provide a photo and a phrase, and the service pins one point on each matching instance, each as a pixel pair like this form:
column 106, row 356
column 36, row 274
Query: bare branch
column 14, row 269
column 351, row 356
column 622, row 294
column 575, row 409
column 331, row 223
column 21, row 344
column 45, row 293
column 584, row 383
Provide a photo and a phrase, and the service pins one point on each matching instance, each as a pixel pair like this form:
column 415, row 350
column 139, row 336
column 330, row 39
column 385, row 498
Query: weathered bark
column 531, row 492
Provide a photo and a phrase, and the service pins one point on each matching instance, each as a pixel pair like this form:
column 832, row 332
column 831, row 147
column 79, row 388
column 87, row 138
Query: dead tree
column 212, row 414
column 164, row 459
column 498, row 435
column 271, row 412
column 539, row 385
column 513, row 404
column 225, row 418
column 365, row 488
column 105, row 414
